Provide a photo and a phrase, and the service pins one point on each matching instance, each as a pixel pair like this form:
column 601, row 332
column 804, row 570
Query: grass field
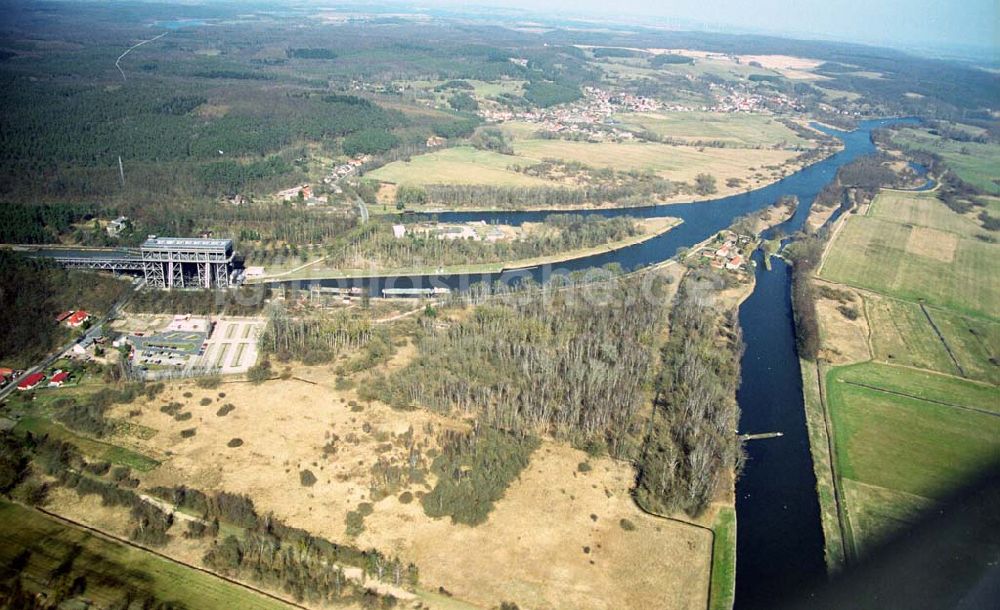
column 913, row 263
column 739, row 130
column 975, row 343
column 467, row 165
column 895, row 453
column 973, row 162
column 921, row 209
column 109, row 569
column 115, row 454
column 458, row 165
column 901, row 334
column 681, row 163
column 908, row 429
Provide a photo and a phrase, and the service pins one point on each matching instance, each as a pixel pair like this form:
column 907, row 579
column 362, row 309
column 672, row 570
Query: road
column 94, row 331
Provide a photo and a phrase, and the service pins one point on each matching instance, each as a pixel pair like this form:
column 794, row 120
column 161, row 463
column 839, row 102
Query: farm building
column 63, row 316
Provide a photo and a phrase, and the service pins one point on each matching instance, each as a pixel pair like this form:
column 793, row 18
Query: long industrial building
column 165, row 262
column 179, row 262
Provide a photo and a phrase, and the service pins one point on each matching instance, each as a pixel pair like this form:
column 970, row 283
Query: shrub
column 188, row 433
column 183, row 416
column 205, row 401
column 225, row 409
column 627, row 525
column 405, row 497
column 307, row 478
column 210, row 382
column 584, row 467
column 355, row 523
column 235, row 442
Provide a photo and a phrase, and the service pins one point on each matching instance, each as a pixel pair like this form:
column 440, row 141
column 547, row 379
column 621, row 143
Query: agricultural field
column 974, row 162
column 58, row 554
column 905, row 438
column 458, row 165
column 945, row 268
column 739, row 130
column 902, row 334
column 918, row 415
column 467, row 165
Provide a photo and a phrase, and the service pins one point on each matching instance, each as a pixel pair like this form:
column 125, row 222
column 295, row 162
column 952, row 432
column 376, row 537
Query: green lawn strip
column 924, row 385
column 88, row 446
column 906, row 444
column 820, row 448
column 110, row 568
column 723, row 587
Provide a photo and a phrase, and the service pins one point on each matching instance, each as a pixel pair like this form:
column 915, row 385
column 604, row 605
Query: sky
column 928, row 25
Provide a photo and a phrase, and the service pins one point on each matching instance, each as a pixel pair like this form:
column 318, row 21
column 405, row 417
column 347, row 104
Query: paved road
column 93, row 331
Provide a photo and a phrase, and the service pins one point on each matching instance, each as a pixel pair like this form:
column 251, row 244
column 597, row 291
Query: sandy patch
column 938, row 245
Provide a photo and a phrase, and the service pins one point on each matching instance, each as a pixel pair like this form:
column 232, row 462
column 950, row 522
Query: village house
column 58, row 379
column 30, row 382
column 77, row 319
column 116, row 226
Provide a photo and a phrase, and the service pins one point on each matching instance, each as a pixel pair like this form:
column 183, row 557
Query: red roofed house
column 62, row 317
column 58, row 379
column 78, row 318
column 30, row 382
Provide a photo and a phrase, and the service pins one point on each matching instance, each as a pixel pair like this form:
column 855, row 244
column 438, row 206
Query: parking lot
column 232, row 348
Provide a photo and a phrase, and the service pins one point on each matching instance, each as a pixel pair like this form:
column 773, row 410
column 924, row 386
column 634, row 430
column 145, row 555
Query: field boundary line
column 922, row 399
column 115, row 539
column 937, row 331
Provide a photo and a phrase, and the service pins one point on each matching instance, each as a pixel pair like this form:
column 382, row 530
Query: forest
column 572, row 364
column 33, row 291
column 690, row 445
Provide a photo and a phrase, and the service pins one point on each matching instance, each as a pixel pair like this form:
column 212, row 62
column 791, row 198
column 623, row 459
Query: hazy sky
column 916, row 24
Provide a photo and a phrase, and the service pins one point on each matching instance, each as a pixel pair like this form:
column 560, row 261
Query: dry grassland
column 532, row 548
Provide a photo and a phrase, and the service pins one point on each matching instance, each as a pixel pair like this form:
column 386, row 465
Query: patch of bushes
column 473, row 471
